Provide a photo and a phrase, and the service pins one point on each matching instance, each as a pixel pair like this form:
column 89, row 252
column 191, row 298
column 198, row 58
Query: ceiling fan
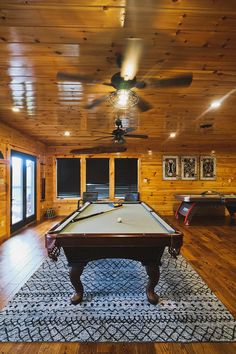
column 125, row 80
column 118, row 138
column 119, row 134
column 99, row 150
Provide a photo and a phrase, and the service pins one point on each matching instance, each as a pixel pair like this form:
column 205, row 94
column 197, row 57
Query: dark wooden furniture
column 90, row 196
column 132, row 197
column 190, row 203
column 141, row 235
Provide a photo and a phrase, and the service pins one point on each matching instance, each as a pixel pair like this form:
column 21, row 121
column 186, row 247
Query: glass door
column 17, row 190
column 30, row 188
column 23, row 189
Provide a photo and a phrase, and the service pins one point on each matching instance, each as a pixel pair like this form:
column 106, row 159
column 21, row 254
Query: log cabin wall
column 153, row 189
column 160, row 193
column 84, row 38
column 13, row 139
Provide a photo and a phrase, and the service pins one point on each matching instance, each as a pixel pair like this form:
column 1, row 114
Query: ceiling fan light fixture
column 123, row 99
column 118, row 140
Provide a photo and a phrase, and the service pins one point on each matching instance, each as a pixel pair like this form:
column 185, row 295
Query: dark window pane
column 97, row 177
column 68, row 178
column 126, row 176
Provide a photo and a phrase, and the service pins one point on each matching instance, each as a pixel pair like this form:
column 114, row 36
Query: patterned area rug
column 115, row 308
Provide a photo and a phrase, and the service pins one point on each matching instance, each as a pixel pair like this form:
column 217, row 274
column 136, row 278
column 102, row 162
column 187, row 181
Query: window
column 126, row 176
column 97, row 177
column 68, row 178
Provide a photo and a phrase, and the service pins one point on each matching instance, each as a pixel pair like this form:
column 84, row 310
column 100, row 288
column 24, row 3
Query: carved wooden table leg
column 153, row 273
column 75, row 273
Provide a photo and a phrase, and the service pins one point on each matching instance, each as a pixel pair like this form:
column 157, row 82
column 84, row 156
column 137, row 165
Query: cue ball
column 119, row 220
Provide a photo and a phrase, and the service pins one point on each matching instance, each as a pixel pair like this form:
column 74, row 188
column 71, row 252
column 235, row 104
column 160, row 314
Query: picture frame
column 207, row 168
column 189, row 168
column 170, row 167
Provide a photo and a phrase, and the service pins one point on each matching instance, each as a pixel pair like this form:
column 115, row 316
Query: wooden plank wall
column 160, row 194
column 153, row 189
column 13, row 139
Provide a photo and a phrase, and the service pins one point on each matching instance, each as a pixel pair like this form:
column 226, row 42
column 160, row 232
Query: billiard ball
column 119, row 220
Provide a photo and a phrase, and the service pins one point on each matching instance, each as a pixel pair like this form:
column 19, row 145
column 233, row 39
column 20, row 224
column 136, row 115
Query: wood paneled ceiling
column 39, row 38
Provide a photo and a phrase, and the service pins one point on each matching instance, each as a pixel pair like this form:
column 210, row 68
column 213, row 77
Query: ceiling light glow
column 172, row 135
column 66, row 133
column 123, row 99
column 215, row 104
column 16, row 109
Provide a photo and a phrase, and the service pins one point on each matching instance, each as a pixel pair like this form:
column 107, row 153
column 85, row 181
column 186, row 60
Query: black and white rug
column 115, row 307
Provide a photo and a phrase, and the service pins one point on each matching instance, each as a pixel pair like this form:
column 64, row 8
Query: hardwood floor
column 209, row 246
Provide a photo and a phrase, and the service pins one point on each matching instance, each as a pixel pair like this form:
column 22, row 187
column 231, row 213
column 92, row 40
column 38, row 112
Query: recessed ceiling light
column 215, row 104
column 149, row 152
column 66, row 133
column 172, row 135
column 16, row 109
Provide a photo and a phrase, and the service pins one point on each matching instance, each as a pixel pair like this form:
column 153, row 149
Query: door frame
column 26, row 220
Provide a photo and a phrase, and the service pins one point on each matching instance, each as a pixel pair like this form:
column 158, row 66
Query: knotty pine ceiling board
column 39, row 38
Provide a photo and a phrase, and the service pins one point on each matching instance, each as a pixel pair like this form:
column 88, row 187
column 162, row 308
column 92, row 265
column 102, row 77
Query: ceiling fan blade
column 62, row 76
column 95, row 102
column 143, row 105
column 132, row 56
column 140, row 84
column 99, row 150
column 101, row 138
column 177, row 81
column 129, row 130
column 119, row 59
column 140, row 136
column 99, row 131
column 106, row 83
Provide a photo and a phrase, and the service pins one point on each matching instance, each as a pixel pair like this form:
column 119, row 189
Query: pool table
column 190, row 203
column 105, row 230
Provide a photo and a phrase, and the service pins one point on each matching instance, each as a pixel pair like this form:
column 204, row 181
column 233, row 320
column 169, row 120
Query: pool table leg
column 153, row 273
column 75, row 273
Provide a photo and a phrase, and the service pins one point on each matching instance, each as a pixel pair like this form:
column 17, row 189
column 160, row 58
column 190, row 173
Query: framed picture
column 207, row 167
column 170, row 166
column 189, row 168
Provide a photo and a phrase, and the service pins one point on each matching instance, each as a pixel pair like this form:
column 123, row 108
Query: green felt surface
column 135, row 219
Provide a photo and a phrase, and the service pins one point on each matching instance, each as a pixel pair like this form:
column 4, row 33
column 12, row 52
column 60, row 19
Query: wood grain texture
column 152, row 188
column 156, row 192
column 38, row 39
column 208, row 246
